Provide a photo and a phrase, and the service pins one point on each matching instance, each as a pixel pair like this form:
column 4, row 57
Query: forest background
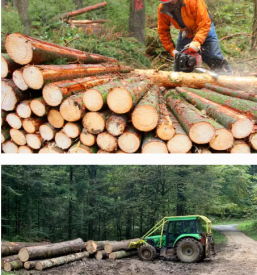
column 104, row 202
column 40, row 20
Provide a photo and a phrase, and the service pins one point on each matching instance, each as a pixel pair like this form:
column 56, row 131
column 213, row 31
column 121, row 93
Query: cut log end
column 129, row 142
column 179, row 144
column 119, row 100
column 34, row 141
column 108, row 248
column 155, row 147
column 46, row 132
column 91, row 247
column 242, row 128
column 29, row 126
column 18, row 79
column 55, row 119
column 25, row 150
column 253, row 141
column 23, row 110
column 107, row 142
column 8, row 97
column 9, row 147
column 115, row 125
column 14, row 121
column 71, row 130
column 222, row 140
column 71, row 111
column 62, row 140
column 19, row 48
column 201, row 132
column 93, row 122
column 2, row 138
column 86, row 138
column 33, row 77
column 38, row 107
column 4, row 67
column 165, row 132
column 23, row 255
column 52, row 94
column 93, row 100
column 18, row 136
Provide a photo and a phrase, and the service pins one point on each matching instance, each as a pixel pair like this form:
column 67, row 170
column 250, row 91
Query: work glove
column 174, row 52
column 194, row 47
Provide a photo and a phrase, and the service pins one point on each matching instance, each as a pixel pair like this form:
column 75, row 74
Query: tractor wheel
column 147, row 253
column 189, row 250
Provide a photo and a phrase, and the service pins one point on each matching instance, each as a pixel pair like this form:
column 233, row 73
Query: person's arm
column 164, row 32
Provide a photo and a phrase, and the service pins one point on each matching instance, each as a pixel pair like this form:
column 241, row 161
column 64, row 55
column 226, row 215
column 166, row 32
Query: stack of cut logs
column 42, row 256
column 99, row 106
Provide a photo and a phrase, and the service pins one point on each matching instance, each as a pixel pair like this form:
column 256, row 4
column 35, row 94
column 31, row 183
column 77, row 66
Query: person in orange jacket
column 194, row 21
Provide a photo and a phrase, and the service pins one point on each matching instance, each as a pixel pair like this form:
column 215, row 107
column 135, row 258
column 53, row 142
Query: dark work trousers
column 210, row 50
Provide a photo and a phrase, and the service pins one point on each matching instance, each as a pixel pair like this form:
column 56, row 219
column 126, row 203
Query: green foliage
column 218, row 237
column 10, row 21
column 250, row 229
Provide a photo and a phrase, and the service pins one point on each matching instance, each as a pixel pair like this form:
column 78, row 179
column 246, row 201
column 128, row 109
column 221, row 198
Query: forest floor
column 237, row 256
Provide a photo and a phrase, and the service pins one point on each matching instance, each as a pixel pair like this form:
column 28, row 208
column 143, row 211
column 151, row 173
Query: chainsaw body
column 186, row 61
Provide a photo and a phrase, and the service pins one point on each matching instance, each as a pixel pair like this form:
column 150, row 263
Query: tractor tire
column 189, row 250
column 147, row 253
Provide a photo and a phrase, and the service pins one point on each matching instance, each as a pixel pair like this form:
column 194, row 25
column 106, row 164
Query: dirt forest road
column 238, row 256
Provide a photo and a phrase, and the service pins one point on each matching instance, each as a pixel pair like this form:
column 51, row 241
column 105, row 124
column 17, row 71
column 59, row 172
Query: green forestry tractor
column 188, row 238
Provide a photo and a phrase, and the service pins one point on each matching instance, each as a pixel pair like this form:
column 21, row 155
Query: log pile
column 41, row 256
column 99, row 106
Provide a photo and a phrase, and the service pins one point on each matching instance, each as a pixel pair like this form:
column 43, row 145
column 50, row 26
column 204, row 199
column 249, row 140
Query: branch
column 245, row 60
column 232, row 35
column 75, row 38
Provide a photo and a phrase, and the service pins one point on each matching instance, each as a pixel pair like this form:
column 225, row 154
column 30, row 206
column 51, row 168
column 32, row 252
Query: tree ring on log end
column 18, row 137
column 240, row 149
column 179, row 144
column 155, row 147
column 37, row 107
column 70, row 110
column 14, row 121
column 9, row 147
column 4, row 67
column 253, row 140
column 93, row 122
column 62, row 140
column 107, row 142
column 71, row 130
column 55, row 119
column 201, row 132
column 29, row 126
column 33, row 77
column 8, row 97
column 165, row 132
column 86, row 138
column 119, row 100
column 33, row 141
column 18, row 79
column 52, row 94
column 46, row 132
column 222, row 140
column 242, row 128
column 25, row 150
column 93, row 100
column 129, row 142
column 23, row 110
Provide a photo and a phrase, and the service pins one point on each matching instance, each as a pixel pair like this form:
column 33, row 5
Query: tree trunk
column 14, row 265
column 9, row 259
column 196, row 126
column 231, row 92
column 146, row 114
column 19, row 81
column 240, row 147
column 253, row 141
column 95, row 99
column 37, row 76
column 62, row 140
column 51, row 250
column 55, row 118
column 116, row 124
column 34, row 141
column 23, row 109
column 86, row 138
column 27, row 50
column 153, row 145
column 254, row 38
column 5, row 135
column 137, row 20
column 25, row 150
column 116, row 246
column 8, row 66
column 78, row 3
column 31, row 125
column 55, row 93
column 3, row 4
column 239, row 125
column 51, row 148
column 83, row 10
column 72, row 129
column 30, row 265
column 14, row 120
column 107, row 142
column 18, row 136
column 122, row 100
column 41, row 265
column 9, row 147
column 10, row 95
column 70, row 217
column 94, row 122
column 130, row 140
column 122, row 254
column 196, row 80
column 85, row 22
column 23, row 9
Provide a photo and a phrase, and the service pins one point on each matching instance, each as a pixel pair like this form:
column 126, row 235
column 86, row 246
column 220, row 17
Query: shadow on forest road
column 237, row 256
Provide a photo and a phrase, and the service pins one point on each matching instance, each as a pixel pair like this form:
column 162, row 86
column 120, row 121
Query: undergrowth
column 249, row 228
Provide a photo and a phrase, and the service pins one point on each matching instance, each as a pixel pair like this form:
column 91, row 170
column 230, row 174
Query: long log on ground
column 51, row 148
column 115, row 124
column 122, row 99
column 30, row 265
column 239, row 125
column 41, row 265
column 8, row 66
column 146, row 114
column 34, row 141
column 14, row 120
column 51, row 250
column 96, row 98
column 231, row 92
column 55, row 93
column 153, row 145
column 101, row 255
column 38, row 76
column 94, row 122
column 47, row 131
column 107, row 142
column 253, row 141
column 18, row 136
column 39, row 107
column 130, row 140
column 196, row 126
column 14, row 265
column 72, row 129
column 10, row 95
column 23, row 109
column 122, row 254
column 164, row 129
column 31, row 125
column 9, row 259
column 87, row 138
column 24, row 149
column 196, row 80
column 27, row 50
column 116, row 246
column 19, row 81
column 246, row 107
column 12, row 248
column 79, row 148
column 55, row 118
column 83, row 10
column 9, row 147
column 88, row 21
column 93, row 246
column 240, row 147
column 62, row 140
column 5, row 135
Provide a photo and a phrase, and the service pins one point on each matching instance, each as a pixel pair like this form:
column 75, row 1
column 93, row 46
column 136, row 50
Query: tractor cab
column 189, row 238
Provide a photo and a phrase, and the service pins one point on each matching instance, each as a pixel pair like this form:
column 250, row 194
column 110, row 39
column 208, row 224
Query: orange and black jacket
column 196, row 19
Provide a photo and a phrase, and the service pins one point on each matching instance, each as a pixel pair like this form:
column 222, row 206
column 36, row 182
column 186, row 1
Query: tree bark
column 31, row 125
column 34, row 141
column 239, row 125
column 130, row 140
column 137, row 20
column 254, row 38
column 78, row 148
column 14, row 265
column 8, row 66
column 23, row 9
column 116, row 246
column 115, row 124
column 240, row 147
column 9, row 259
column 14, row 120
column 153, row 145
column 51, row 250
column 107, row 142
column 55, row 118
column 3, row 4
column 196, row 126
column 87, row 138
column 41, row 265
column 231, row 92
column 146, row 114
column 18, row 136
column 34, row 51
column 122, row 254
column 30, row 265
column 122, row 100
